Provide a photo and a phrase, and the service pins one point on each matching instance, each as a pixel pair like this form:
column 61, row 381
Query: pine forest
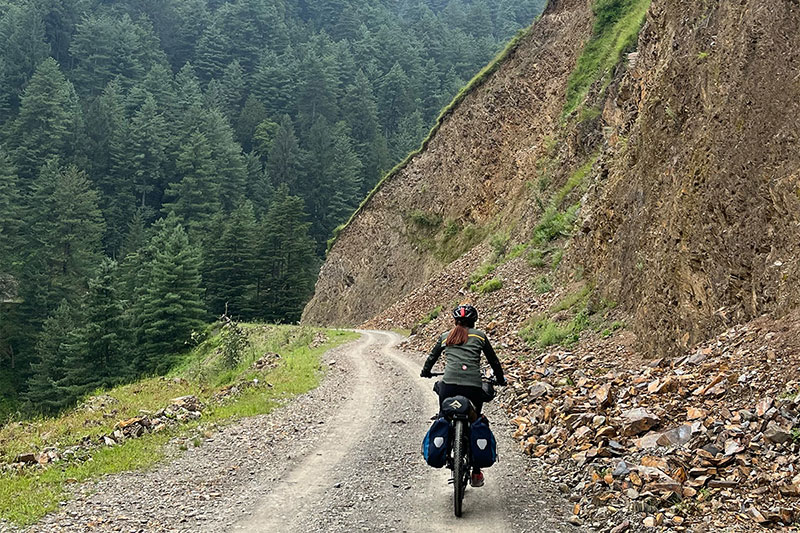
column 163, row 162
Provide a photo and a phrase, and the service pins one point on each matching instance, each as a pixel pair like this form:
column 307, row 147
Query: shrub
column 425, row 220
column 494, row 284
column 542, row 285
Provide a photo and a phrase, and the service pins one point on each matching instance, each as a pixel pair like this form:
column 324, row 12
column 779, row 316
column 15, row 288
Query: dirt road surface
column 344, row 457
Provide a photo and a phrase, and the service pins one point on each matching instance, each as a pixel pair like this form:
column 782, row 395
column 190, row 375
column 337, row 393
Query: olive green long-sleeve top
column 463, row 366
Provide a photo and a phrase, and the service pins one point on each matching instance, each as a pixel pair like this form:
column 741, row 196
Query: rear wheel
column 460, row 472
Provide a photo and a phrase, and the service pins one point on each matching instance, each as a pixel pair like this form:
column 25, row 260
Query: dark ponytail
column 459, row 335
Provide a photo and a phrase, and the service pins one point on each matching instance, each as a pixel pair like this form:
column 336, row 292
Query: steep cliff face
column 690, row 206
column 697, row 224
column 469, row 178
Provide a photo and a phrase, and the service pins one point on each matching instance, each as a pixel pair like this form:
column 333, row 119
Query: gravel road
column 344, row 457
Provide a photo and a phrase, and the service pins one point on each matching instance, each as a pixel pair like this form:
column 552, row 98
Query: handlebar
column 491, row 380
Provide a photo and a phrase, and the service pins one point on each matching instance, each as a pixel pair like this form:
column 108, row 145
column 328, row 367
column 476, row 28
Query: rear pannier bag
column 436, row 445
column 484, row 445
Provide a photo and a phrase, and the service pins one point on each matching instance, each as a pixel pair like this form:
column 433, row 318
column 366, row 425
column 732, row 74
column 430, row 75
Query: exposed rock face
column 692, row 220
column 698, row 223
column 473, row 172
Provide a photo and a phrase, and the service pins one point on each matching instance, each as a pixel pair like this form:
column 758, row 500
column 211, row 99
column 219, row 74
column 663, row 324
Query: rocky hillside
column 629, row 231
column 468, row 182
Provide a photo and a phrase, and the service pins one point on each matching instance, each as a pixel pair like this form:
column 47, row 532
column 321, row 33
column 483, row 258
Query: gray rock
column 539, row 389
column 777, row 434
column 637, row 421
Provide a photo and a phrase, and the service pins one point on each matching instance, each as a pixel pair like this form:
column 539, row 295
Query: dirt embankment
column 471, row 177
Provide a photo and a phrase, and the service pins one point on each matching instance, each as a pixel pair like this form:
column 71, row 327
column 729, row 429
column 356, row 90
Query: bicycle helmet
column 465, row 312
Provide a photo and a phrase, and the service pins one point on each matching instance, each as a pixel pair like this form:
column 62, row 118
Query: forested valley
column 165, row 161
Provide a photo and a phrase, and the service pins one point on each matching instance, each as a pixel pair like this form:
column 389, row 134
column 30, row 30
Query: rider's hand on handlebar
column 425, row 374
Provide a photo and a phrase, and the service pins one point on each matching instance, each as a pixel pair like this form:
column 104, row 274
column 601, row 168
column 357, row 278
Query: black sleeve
column 494, row 362
column 434, row 356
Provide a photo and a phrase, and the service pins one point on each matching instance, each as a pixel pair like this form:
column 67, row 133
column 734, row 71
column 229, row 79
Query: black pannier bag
column 483, row 444
column 436, row 444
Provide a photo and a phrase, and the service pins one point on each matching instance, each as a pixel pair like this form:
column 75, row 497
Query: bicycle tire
column 459, row 464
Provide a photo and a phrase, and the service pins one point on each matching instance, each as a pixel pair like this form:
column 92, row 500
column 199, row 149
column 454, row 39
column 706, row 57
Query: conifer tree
column 112, row 164
column 147, row 149
column 44, row 394
column 287, row 264
column 233, row 86
column 48, row 119
column 334, row 178
column 253, row 113
column 94, row 351
column 170, row 302
column 229, row 162
column 195, row 198
column 10, row 216
column 22, row 46
column 212, row 53
column 230, row 274
column 396, row 98
column 65, row 227
column 285, row 157
column 274, row 82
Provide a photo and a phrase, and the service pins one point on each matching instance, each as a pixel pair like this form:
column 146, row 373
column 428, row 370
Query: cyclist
column 462, row 373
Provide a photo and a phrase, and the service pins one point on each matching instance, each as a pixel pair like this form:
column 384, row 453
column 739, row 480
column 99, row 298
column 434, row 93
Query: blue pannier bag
column 436, row 445
column 484, row 445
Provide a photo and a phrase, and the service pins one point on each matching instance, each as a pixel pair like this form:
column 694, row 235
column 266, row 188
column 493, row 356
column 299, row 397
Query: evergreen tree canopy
column 254, row 127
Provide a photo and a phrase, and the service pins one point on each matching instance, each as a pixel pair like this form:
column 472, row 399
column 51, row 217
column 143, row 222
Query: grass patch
column 544, row 332
column 542, row 285
column 573, row 299
column 425, row 220
column 26, row 497
column 616, row 29
column 476, row 82
column 552, row 329
column 456, row 240
column 555, row 224
column 492, row 285
column 611, row 329
column 484, row 270
column 575, row 180
column 432, row 315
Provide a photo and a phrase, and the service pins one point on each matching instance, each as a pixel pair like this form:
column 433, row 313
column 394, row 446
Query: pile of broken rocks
column 702, row 442
column 179, row 410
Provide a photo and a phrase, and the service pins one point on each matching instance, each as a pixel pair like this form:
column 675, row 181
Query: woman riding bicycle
column 462, row 372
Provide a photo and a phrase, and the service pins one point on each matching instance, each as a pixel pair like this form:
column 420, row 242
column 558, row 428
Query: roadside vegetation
column 564, row 322
column 207, row 372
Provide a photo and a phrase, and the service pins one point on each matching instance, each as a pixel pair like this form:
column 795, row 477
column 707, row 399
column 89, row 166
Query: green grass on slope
column 473, row 84
column 27, row 496
column 616, row 29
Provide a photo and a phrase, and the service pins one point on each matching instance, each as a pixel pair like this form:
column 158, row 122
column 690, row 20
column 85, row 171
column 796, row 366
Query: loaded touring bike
column 468, row 448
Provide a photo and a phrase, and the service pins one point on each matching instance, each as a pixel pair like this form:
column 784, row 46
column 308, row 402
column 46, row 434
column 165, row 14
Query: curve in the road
column 367, row 473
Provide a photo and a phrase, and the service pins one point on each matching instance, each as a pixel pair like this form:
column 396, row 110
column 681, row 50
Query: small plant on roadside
column 499, row 244
column 556, row 260
column 425, row 220
column 235, row 342
column 610, row 330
